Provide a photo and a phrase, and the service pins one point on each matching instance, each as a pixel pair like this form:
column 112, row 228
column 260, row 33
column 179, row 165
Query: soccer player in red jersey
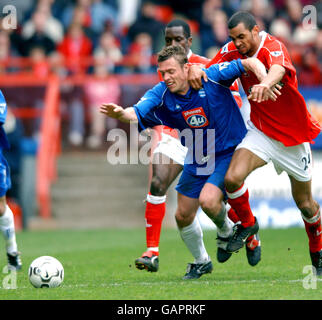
column 177, row 32
column 280, row 131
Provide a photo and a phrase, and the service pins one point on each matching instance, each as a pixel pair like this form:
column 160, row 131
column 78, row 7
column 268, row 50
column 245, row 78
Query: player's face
column 174, row 75
column 175, row 36
column 246, row 41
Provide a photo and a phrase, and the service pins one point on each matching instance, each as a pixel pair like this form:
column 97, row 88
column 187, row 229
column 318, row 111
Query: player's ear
column 190, row 42
column 255, row 29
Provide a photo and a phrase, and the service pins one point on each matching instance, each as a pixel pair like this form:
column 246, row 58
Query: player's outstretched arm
column 112, row 110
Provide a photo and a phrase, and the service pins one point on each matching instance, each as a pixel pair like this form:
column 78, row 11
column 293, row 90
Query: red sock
column 154, row 214
column 239, row 202
column 314, row 231
column 232, row 215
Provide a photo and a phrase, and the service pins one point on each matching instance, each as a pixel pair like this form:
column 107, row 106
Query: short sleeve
column 146, row 106
column 225, row 73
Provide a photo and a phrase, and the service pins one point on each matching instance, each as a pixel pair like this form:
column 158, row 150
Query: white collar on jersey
column 263, row 35
column 189, row 54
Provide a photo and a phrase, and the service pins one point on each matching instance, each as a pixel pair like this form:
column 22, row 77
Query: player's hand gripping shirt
column 212, row 107
column 287, row 119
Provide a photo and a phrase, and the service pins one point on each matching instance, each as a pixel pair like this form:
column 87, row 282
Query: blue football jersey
column 208, row 120
column 4, row 143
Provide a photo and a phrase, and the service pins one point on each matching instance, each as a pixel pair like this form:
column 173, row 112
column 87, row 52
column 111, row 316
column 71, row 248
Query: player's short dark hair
column 180, row 23
column 242, row 17
column 176, row 52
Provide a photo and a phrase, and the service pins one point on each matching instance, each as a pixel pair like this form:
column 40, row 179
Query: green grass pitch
column 99, row 264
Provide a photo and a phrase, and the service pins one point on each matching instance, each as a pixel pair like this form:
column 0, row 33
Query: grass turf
column 99, row 264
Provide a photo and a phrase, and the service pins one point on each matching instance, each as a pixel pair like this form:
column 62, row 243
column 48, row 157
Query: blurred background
column 63, row 58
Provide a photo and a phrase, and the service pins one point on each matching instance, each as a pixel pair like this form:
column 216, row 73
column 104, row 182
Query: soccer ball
column 46, row 272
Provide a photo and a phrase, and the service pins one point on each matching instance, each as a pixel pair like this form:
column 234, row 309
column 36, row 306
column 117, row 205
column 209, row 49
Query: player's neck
column 254, row 49
column 184, row 90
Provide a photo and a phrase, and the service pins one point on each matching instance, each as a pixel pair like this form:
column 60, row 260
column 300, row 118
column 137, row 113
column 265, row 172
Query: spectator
column 6, row 52
column 102, row 14
column 216, row 33
column 309, row 73
column 318, row 48
column 146, row 23
column 109, row 47
column 39, row 37
column 140, row 53
column 39, row 64
column 103, row 87
column 52, row 28
column 83, row 16
column 280, row 29
column 75, row 48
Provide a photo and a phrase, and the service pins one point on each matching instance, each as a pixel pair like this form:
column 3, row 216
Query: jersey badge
column 202, row 93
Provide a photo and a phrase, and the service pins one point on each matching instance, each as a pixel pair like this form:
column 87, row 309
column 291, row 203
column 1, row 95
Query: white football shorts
column 172, row 148
column 296, row 161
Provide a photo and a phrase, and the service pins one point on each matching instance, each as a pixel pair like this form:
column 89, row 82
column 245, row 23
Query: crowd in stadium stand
column 103, row 37
column 129, row 33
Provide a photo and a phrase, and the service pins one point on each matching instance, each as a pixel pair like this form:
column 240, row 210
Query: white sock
column 7, row 227
column 227, row 228
column 192, row 236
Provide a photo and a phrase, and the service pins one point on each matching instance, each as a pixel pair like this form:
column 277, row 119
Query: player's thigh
column 243, row 162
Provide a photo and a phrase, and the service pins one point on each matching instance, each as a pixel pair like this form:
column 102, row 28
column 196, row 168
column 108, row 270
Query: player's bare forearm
column 268, row 88
column 255, row 66
column 112, row 110
column 274, row 75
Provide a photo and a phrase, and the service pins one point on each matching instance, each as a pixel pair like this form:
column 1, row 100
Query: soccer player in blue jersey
column 210, row 126
column 7, row 226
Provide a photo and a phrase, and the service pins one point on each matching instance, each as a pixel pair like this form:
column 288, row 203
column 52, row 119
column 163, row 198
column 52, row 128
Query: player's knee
column 306, row 206
column 208, row 205
column 183, row 217
column 232, row 181
column 158, row 187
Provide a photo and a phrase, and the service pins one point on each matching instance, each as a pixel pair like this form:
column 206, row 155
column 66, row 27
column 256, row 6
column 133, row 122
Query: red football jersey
column 287, row 119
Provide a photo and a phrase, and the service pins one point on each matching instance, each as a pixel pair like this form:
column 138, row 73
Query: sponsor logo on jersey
column 196, row 118
column 276, row 53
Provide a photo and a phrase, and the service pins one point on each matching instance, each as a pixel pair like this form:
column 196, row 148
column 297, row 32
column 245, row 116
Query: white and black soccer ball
column 46, row 272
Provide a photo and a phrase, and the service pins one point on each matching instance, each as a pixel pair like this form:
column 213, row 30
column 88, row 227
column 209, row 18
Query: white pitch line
column 158, row 283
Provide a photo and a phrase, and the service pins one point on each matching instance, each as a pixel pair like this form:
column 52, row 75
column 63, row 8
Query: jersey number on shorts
column 306, row 161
